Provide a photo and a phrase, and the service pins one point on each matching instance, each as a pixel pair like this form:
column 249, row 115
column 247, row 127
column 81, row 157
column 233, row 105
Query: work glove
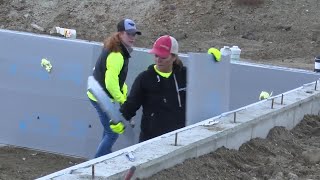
column 264, row 95
column 216, row 53
column 117, row 127
column 125, row 90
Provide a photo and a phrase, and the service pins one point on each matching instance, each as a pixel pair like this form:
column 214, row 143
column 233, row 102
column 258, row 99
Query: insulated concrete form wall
column 248, row 80
column 209, row 83
column 47, row 111
column 51, row 112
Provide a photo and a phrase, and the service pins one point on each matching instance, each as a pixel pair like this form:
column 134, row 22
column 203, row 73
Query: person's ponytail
column 178, row 63
column 112, row 43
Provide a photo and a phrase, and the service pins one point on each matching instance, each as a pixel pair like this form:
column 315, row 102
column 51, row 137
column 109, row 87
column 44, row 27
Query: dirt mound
column 285, row 33
column 283, row 154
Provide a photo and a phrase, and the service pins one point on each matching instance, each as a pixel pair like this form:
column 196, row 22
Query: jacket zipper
column 177, row 89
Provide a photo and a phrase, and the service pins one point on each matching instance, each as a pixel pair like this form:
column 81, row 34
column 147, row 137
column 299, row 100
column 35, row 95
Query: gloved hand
column 125, row 90
column 117, row 127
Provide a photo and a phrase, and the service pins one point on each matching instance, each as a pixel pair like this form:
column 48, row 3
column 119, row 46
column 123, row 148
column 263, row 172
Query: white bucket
column 235, row 53
column 317, row 64
column 225, row 51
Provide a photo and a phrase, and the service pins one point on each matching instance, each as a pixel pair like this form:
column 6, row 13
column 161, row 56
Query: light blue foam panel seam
column 208, row 87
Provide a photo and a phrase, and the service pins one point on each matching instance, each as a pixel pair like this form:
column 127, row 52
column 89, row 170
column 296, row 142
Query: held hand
column 125, row 90
column 118, row 127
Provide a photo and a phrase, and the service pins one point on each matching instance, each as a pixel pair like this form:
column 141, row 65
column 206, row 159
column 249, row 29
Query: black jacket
column 163, row 101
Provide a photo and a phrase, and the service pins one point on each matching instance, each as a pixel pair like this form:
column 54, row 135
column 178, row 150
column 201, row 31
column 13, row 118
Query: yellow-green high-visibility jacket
column 111, row 72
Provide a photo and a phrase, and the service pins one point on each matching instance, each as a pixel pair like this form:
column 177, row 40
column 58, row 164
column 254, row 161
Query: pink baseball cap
column 164, row 46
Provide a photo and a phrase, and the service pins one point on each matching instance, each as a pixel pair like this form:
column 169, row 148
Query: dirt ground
column 283, row 154
column 284, row 33
column 18, row 163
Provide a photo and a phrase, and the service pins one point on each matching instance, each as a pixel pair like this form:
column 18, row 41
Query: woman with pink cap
column 160, row 90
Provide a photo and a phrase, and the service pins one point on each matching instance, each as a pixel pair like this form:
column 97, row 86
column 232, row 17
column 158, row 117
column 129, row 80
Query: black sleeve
column 134, row 100
column 184, row 71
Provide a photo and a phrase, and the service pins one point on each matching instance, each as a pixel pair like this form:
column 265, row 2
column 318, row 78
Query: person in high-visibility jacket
column 111, row 72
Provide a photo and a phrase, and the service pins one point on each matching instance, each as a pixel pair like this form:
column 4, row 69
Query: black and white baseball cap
column 129, row 26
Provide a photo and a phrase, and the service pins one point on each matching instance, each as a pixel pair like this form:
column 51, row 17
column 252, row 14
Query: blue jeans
column 108, row 136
